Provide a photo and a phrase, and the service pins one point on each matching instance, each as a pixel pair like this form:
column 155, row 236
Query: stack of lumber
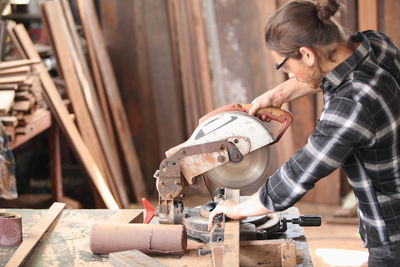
column 101, row 127
column 20, row 96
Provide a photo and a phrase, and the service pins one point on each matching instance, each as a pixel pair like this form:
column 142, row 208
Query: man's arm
column 343, row 125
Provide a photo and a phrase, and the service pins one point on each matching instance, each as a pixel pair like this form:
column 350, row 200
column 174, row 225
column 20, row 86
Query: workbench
column 66, row 243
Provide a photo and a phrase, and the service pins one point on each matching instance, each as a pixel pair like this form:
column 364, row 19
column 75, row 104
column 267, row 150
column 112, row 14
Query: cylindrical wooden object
column 147, row 238
column 10, row 229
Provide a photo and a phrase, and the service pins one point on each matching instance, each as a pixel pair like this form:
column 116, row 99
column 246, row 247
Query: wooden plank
column 6, row 100
column 13, row 79
column 10, row 86
column 24, row 105
column 55, row 162
column 10, row 25
column 104, row 131
column 35, row 234
column 3, row 34
column 9, row 121
column 127, row 216
column 52, row 15
column 23, row 95
column 98, row 81
column 17, row 63
column 20, row 69
column 199, row 39
column 186, row 65
column 278, row 252
column 368, row 15
column 217, row 253
column 391, row 10
column 231, row 234
column 64, row 120
column 161, row 74
column 82, row 58
column 92, row 29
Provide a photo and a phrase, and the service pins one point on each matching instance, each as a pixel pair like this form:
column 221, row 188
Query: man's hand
column 285, row 92
column 227, row 207
column 273, row 97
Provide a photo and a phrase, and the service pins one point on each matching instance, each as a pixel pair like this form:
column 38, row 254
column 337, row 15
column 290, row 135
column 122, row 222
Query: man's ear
column 308, row 56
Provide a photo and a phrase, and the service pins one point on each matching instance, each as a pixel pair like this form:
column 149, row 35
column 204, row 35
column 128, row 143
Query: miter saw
column 230, row 147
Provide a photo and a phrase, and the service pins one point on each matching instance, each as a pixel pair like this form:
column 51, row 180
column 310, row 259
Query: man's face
column 305, row 69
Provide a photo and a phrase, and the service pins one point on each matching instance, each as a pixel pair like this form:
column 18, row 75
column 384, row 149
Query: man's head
column 303, row 36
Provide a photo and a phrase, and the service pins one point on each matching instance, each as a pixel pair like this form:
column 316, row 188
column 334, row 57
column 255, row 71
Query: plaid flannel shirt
column 359, row 132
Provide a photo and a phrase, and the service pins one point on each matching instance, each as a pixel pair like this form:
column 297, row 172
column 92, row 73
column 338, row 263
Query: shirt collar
column 334, row 78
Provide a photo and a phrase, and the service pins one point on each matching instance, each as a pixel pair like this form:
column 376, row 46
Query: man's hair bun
column 326, row 11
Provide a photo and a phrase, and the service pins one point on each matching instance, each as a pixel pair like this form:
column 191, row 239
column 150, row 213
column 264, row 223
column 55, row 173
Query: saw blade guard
column 248, row 133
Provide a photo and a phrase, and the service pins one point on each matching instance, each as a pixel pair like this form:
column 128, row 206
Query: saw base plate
column 196, row 223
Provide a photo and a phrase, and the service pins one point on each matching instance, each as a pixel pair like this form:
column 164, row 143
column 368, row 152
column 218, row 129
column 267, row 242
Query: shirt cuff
column 265, row 199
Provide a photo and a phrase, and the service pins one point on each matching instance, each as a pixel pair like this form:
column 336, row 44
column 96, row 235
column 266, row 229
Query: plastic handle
column 276, row 114
column 307, row 221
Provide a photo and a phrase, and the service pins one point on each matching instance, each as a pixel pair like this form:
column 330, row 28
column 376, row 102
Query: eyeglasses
column 278, row 66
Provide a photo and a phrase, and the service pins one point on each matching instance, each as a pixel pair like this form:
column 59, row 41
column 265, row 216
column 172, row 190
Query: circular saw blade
column 244, row 173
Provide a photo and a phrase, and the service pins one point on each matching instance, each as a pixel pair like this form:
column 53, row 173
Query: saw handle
column 272, row 113
column 306, row 220
column 276, row 114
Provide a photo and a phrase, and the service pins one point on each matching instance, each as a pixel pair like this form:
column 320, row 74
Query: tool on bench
column 230, row 147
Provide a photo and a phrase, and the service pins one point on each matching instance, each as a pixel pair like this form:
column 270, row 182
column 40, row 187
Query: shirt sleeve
column 344, row 125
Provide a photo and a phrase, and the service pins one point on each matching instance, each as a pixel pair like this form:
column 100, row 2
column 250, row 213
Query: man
column 359, row 129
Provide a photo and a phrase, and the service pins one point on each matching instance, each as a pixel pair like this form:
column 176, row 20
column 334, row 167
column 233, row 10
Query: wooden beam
column 64, row 120
column 35, row 234
column 232, row 234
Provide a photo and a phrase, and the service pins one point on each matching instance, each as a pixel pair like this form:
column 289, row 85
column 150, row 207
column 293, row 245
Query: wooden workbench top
column 67, row 241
